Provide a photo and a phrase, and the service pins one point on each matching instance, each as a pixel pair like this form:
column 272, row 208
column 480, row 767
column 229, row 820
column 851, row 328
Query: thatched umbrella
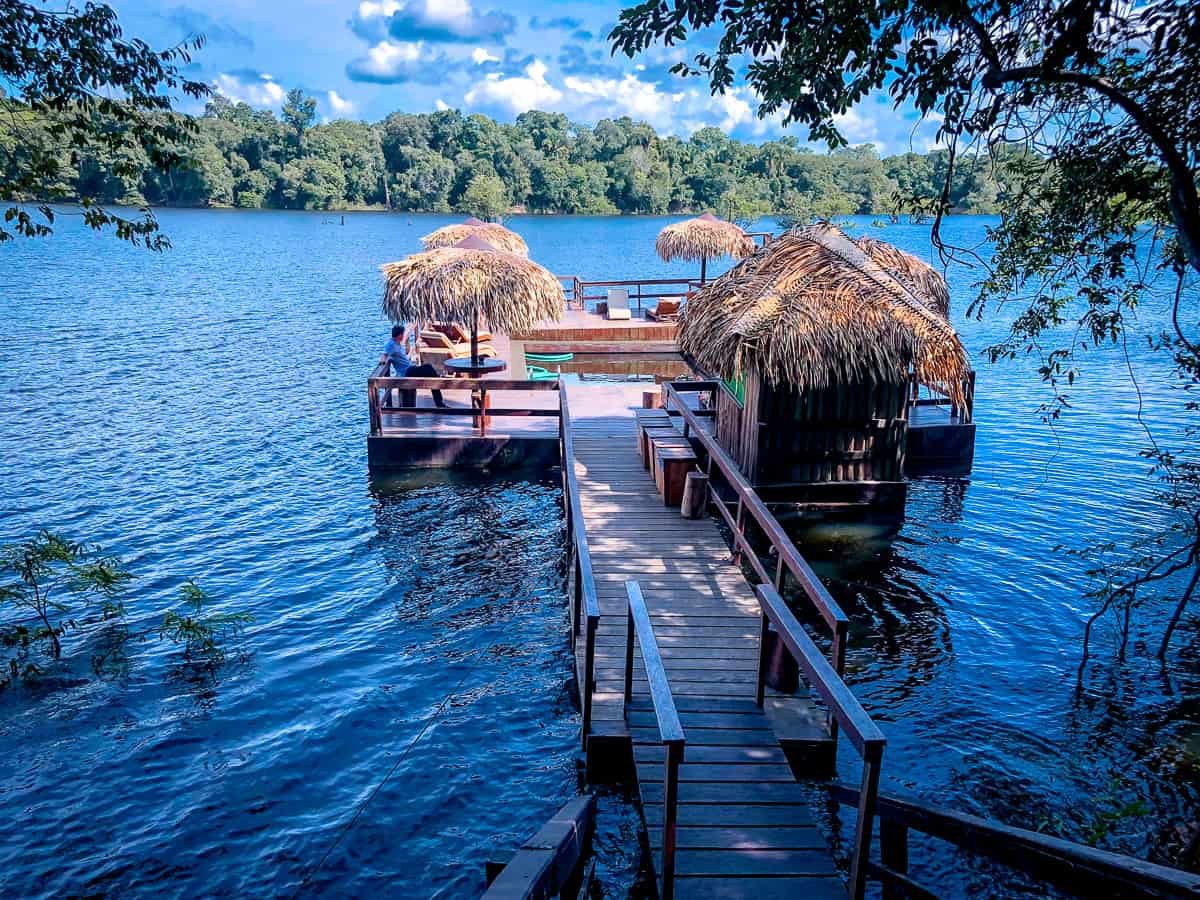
column 924, row 281
column 704, row 237
column 814, row 310
column 496, row 235
column 472, row 280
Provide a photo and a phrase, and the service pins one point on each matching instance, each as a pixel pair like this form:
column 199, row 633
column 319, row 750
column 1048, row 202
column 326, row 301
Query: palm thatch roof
column 508, row 292
column 703, row 238
column 814, row 310
column 921, row 278
column 496, row 235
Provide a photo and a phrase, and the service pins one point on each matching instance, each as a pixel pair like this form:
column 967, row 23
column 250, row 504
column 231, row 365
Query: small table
column 465, row 367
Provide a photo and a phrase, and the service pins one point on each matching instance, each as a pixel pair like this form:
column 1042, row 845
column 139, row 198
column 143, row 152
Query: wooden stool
column 671, row 467
column 646, row 432
column 656, row 439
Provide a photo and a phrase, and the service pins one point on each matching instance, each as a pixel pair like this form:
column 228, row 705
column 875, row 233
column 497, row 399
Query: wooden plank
column 796, row 888
column 744, row 838
column 755, row 863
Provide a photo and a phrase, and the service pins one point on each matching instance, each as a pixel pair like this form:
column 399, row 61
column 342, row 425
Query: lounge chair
column 435, row 348
column 666, row 310
column 458, row 333
column 618, row 304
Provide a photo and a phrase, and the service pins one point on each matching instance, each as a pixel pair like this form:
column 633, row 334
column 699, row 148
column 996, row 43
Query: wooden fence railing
column 1075, row 869
column 670, row 730
column 864, row 735
column 383, row 392
column 578, row 292
column 585, row 604
column 749, row 504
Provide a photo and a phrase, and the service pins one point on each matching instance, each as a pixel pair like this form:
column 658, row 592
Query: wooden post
column 764, row 628
column 674, row 754
column 867, row 795
column 628, row 653
column 650, row 400
column 695, row 495
column 373, row 405
column 893, row 853
column 589, row 676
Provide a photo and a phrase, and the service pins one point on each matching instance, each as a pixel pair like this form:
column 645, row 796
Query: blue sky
column 368, row 58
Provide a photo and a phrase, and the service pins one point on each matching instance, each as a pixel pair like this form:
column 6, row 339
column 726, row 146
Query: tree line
column 444, row 161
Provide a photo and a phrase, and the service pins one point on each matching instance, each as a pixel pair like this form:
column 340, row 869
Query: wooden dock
column 744, row 828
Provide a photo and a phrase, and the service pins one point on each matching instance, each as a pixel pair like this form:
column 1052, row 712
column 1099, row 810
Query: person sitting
column 403, row 366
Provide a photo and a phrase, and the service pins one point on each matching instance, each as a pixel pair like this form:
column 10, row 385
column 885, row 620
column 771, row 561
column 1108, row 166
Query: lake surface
column 216, row 429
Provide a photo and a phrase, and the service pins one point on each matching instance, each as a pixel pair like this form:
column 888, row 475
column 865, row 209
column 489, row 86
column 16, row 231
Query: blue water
column 202, row 413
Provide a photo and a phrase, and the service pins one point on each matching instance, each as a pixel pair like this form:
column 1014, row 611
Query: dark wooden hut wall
column 850, row 432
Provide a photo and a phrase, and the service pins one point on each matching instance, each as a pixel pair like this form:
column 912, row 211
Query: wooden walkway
column 745, row 829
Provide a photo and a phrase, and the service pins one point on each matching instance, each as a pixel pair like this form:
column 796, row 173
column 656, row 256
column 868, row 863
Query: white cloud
column 481, row 56
column 590, row 99
column 262, row 91
column 435, row 20
column 517, row 94
column 440, row 105
column 339, row 105
column 391, row 61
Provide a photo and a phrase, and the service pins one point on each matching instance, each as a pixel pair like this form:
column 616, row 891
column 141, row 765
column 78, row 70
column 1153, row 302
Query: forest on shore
column 542, row 163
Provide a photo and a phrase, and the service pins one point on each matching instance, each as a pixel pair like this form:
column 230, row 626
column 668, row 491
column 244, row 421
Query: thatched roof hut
column 496, row 235
column 823, row 342
column 813, row 309
column 469, row 282
column 922, row 279
column 701, row 239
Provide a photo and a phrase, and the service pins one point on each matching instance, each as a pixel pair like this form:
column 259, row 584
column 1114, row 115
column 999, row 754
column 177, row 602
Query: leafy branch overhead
column 80, row 87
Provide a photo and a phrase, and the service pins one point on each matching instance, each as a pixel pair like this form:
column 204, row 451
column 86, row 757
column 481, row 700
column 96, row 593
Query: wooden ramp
column 744, row 827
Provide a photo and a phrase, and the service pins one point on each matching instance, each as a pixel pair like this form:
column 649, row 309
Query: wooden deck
column 745, row 829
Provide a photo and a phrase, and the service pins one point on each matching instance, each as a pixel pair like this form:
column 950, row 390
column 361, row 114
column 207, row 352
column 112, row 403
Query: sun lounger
column 618, row 304
column 666, row 310
column 457, row 333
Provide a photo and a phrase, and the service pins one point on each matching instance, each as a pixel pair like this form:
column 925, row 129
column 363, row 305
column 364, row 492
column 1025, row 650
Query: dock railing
column 1075, row 869
column 670, row 731
column 380, row 388
column 585, row 604
column 863, row 733
column 578, row 292
column 750, row 505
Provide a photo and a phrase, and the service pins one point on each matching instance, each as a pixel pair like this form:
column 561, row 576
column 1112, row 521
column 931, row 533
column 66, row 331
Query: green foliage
column 1078, row 123
column 484, row 197
column 52, row 586
column 88, row 114
column 201, row 635
column 249, row 158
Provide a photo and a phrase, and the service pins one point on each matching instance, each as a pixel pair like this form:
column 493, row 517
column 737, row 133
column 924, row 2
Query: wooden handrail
column 748, row 501
column 821, row 675
column 550, row 860
column 1075, row 868
column 864, row 734
column 585, row 605
column 461, row 384
column 670, row 730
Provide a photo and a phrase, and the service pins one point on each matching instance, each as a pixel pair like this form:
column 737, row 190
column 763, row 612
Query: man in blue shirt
column 403, row 366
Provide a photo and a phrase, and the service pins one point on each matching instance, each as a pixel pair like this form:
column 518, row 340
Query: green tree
column 1094, row 110
column 484, row 197
column 298, row 113
column 311, row 183
column 91, row 92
